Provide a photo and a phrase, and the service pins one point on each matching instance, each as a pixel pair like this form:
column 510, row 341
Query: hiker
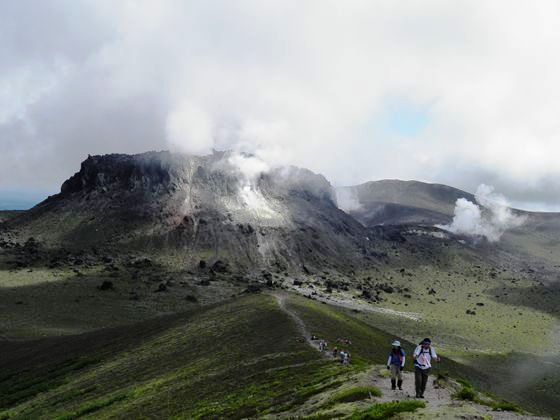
column 322, row 345
column 423, row 355
column 341, row 354
column 335, row 351
column 395, row 363
column 346, row 359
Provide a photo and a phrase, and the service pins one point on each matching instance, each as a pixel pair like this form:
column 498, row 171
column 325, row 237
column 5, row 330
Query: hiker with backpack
column 335, row 352
column 423, row 356
column 395, row 364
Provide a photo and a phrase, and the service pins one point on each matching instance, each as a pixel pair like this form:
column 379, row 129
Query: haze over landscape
column 237, row 209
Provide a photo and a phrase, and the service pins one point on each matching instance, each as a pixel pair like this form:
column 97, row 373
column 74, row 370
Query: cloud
column 292, row 82
column 490, row 218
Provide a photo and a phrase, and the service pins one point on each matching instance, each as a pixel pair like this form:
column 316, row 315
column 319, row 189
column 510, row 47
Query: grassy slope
column 238, row 359
column 41, row 301
column 231, row 361
column 531, row 382
column 369, row 344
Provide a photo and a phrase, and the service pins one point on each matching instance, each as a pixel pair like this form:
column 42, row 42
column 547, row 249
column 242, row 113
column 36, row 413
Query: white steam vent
column 490, row 218
column 347, row 199
column 252, row 199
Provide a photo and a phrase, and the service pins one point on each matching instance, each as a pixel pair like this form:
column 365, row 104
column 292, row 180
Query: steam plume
column 490, row 218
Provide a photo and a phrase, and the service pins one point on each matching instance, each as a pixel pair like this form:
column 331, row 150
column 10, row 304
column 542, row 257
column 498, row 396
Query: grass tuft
column 92, row 407
column 387, row 410
column 466, row 393
column 357, row 393
column 506, row 406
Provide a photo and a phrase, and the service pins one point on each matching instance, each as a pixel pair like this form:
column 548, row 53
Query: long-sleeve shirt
column 397, row 359
column 423, row 357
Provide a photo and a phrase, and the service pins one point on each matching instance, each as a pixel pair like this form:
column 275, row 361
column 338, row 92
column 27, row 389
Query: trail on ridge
column 281, row 299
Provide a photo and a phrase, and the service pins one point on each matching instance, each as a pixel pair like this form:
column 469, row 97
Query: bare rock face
column 202, row 208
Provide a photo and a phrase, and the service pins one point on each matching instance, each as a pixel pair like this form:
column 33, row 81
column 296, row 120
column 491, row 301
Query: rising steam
column 490, row 218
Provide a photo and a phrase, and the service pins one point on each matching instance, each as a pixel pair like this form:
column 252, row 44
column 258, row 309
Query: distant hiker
column 395, row 363
column 335, row 351
column 322, row 345
column 423, row 355
column 341, row 355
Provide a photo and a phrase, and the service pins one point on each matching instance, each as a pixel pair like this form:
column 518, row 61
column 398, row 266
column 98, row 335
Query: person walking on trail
column 395, row 363
column 423, row 355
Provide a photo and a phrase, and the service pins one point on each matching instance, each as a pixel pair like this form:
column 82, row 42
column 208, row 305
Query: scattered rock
column 220, row 267
column 253, row 288
column 386, row 288
column 162, row 288
column 141, row 263
column 106, row 285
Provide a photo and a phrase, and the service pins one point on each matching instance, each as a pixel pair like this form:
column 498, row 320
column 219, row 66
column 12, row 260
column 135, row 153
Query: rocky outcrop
column 202, row 208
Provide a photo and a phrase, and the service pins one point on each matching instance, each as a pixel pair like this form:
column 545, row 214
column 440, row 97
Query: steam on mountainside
column 490, row 219
column 225, row 205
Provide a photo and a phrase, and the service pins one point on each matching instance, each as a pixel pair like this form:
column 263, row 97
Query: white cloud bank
column 490, row 218
column 300, row 82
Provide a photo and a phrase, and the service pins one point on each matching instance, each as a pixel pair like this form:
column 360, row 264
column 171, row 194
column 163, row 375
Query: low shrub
column 506, row 406
column 466, row 393
column 387, row 410
column 356, row 394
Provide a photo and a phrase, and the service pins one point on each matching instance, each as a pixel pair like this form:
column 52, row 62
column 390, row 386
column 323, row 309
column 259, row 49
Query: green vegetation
column 369, row 344
column 356, row 394
column 387, row 410
column 506, row 406
column 238, row 359
column 466, row 393
column 92, row 407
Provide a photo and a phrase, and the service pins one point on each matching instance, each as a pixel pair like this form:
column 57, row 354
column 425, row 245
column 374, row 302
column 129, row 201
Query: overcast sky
column 456, row 92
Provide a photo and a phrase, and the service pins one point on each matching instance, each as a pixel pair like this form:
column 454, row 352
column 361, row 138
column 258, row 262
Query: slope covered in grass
column 235, row 360
column 370, row 345
column 530, row 381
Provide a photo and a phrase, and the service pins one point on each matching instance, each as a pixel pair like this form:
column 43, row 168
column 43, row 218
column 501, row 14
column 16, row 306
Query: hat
column 426, row 341
column 396, row 343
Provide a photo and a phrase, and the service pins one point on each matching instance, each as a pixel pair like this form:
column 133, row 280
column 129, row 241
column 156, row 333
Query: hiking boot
column 393, row 384
column 399, row 384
